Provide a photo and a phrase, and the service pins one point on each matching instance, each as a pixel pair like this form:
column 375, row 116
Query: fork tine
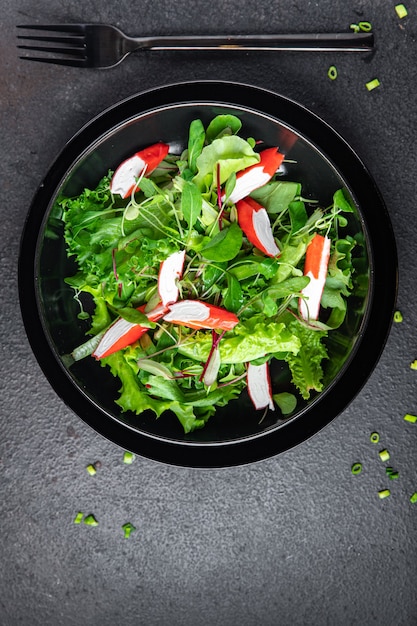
column 56, row 61
column 76, row 40
column 63, row 28
column 56, row 50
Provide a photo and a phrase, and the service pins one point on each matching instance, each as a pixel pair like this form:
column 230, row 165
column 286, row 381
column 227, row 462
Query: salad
column 199, row 270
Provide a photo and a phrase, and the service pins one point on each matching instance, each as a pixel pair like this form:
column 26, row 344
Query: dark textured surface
column 294, row 540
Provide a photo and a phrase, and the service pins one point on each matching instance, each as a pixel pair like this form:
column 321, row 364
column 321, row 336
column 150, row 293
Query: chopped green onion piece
column 413, row 365
column 128, row 458
column 91, row 469
column 332, row 72
column 365, row 26
column 413, row 497
column 398, row 317
column 374, row 437
column 356, row 468
column 128, row 529
column 372, row 84
column 78, row 518
column 355, row 27
column 384, row 493
column 90, row 520
column 391, row 473
column 384, row 455
column 410, row 418
column 401, row 10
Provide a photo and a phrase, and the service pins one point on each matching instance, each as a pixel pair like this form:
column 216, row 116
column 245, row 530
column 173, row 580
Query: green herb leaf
column 225, row 245
column 233, row 298
column 191, row 203
column 196, row 141
column 223, row 125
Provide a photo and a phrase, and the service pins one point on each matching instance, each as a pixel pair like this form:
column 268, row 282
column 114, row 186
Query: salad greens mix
column 174, row 245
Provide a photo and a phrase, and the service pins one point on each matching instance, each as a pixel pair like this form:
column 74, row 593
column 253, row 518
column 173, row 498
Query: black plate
column 323, row 162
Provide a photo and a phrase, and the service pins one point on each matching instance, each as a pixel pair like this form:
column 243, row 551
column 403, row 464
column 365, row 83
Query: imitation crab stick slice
column 169, row 273
column 315, row 267
column 256, row 175
column 253, row 219
column 123, row 333
column 197, row 314
column 125, row 177
column 259, row 386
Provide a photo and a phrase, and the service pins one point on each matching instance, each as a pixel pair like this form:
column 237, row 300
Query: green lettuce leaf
column 306, row 365
column 249, row 340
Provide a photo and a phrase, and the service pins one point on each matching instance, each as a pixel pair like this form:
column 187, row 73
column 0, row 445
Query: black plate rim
column 383, row 269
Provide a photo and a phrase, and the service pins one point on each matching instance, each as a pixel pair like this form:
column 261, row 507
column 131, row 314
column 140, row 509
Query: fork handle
column 354, row 42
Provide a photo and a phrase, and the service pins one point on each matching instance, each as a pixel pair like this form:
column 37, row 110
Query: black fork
column 102, row 45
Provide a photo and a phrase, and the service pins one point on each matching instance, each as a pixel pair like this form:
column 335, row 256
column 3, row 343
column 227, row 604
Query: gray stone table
column 295, row 540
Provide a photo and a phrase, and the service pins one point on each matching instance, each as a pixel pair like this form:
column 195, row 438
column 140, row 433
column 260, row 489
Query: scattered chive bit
column 128, row 529
column 384, row 455
column 128, row 458
column 91, row 469
column 398, row 317
column 332, row 72
column 365, row 26
column 391, row 473
column 413, row 497
column 401, row 11
column 413, row 365
column 78, row 518
column 355, row 28
column 356, row 468
column 90, row 520
column 384, row 493
column 374, row 438
column 372, row 84
column 412, row 419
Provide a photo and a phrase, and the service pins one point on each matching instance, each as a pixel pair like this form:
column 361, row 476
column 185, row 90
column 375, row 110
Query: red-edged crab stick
column 124, row 179
column 169, row 273
column 196, row 314
column 315, row 267
column 256, row 175
column 253, row 219
column 259, row 386
column 123, row 333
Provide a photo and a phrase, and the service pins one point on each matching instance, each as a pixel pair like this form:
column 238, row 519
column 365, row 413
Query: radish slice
column 256, row 175
column 259, row 386
column 124, row 179
column 197, row 314
column 170, row 271
column 254, row 221
column 123, row 333
column 315, row 267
